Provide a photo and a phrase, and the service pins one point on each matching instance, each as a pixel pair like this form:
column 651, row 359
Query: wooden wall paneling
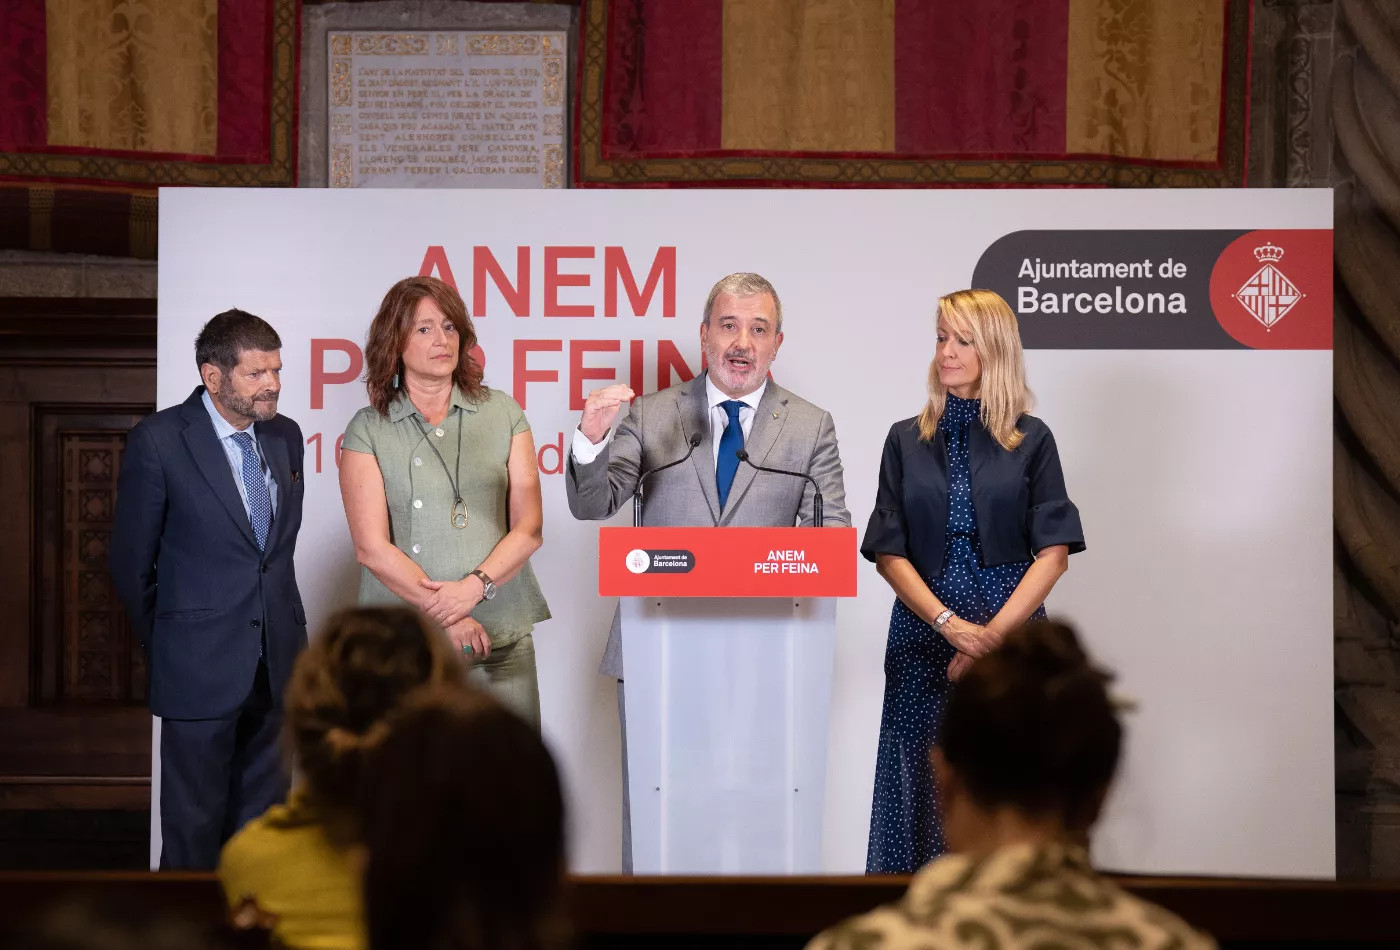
column 75, row 375
column 82, row 646
column 14, row 552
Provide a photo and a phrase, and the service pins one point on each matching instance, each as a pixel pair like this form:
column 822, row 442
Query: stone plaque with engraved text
column 446, row 109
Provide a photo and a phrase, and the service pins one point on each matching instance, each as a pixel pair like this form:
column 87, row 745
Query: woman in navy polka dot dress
column 972, row 528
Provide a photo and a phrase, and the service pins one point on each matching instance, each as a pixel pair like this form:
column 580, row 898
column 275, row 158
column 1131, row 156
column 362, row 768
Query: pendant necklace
column 459, row 507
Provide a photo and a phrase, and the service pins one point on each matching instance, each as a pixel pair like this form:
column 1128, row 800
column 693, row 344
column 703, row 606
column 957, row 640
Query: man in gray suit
column 733, row 406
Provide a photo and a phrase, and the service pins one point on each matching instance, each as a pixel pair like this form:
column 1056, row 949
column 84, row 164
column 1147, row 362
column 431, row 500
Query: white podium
column 728, row 697
column 727, row 705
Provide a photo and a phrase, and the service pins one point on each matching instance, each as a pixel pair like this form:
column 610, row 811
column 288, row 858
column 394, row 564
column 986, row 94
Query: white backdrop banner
column 1179, row 344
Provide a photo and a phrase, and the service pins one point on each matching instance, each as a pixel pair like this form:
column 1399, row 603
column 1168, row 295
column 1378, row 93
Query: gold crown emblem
column 1268, row 252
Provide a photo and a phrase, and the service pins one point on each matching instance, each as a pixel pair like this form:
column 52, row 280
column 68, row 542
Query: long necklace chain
column 459, row 507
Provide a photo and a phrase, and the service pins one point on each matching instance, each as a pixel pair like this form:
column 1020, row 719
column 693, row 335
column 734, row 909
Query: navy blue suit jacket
column 1019, row 497
column 187, row 567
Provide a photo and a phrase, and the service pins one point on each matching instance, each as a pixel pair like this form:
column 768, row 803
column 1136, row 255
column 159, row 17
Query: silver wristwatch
column 488, row 586
column 941, row 620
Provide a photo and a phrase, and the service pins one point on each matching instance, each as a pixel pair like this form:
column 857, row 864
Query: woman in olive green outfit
column 441, row 489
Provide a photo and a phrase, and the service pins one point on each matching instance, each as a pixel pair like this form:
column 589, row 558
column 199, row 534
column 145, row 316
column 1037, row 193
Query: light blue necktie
column 259, row 501
column 729, row 445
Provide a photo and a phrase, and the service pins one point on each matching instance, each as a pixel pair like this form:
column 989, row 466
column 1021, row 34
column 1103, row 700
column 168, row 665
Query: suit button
column 255, row 623
column 264, row 568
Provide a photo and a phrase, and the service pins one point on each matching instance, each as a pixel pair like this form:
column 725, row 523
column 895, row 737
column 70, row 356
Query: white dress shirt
column 585, row 451
column 234, row 453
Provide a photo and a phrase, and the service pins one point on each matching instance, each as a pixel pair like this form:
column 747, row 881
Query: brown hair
column 228, row 335
column 1031, row 726
column 344, row 686
column 449, row 866
column 388, row 335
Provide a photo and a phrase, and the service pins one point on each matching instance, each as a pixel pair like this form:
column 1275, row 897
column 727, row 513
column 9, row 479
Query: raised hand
column 601, row 409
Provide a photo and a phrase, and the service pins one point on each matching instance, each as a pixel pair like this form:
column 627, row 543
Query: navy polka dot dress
column 905, row 831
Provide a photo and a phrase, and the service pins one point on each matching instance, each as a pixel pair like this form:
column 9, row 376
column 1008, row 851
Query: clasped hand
column 971, row 638
column 971, row 641
column 470, row 637
column 451, row 600
column 960, row 665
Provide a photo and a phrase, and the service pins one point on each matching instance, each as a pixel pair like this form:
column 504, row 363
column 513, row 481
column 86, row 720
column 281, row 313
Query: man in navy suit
column 208, row 508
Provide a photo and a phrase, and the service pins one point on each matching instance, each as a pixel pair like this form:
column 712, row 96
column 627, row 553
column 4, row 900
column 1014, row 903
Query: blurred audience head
column 345, row 685
column 1029, row 742
column 463, row 829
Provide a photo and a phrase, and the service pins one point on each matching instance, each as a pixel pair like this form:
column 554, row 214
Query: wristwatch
column 941, row 620
column 488, row 586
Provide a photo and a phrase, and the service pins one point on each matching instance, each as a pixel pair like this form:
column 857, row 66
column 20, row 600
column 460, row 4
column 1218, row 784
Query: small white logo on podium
column 638, row 561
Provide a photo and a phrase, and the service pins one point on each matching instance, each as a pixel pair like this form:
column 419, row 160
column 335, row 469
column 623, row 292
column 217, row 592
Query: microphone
column 816, row 491
column 695, row 440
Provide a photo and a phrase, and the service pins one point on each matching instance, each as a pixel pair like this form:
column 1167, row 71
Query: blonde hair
column 744, row 284
column 984, row 318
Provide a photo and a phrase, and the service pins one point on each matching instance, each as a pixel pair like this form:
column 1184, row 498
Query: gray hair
column 743, row 284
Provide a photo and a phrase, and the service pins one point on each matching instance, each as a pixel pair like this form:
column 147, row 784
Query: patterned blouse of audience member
column 1026, row 754
column 295, row 864
column 445, row 866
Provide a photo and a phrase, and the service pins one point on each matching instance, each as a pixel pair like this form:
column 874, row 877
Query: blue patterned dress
column 905, row 830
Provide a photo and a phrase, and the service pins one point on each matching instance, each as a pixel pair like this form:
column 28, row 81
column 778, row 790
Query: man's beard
column 720, row 361
column 259, row 408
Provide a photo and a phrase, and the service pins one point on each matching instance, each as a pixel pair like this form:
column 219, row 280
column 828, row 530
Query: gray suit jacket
column 788, row 433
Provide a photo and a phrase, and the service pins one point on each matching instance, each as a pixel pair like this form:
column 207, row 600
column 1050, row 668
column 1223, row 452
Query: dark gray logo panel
column 1113, row 290
column 671, row 562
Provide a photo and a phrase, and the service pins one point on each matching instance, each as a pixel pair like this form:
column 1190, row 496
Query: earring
column 395, row 383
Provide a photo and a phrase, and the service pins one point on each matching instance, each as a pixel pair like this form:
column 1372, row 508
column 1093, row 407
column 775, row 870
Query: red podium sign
column 727, row 562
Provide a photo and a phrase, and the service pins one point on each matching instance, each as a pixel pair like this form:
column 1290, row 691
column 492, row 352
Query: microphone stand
column 695, row 440
column 743, row 456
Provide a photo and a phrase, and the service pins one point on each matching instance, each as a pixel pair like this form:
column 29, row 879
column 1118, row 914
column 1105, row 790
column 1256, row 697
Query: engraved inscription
column 448, row 109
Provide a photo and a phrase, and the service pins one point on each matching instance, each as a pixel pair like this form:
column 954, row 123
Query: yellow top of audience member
column 306, row 887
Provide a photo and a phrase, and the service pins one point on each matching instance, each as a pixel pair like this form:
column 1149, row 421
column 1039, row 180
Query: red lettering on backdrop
column 553, row 280
column 557, row 447
column 436, row 257
column 668, row 357
column 517, row 295
column 578, row 373
column 523, row 375
column 322, row 377
column 635, row 378
column 616, row 269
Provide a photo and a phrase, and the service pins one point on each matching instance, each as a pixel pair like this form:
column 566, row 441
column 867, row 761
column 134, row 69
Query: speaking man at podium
column 685, row 443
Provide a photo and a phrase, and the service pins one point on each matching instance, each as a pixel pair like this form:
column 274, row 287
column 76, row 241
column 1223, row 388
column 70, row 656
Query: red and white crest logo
column 1268, row 295
column 1251, row 309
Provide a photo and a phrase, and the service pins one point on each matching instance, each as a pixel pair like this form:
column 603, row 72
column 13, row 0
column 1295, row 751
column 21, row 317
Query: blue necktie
column 259, row 501
column 729, row 445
